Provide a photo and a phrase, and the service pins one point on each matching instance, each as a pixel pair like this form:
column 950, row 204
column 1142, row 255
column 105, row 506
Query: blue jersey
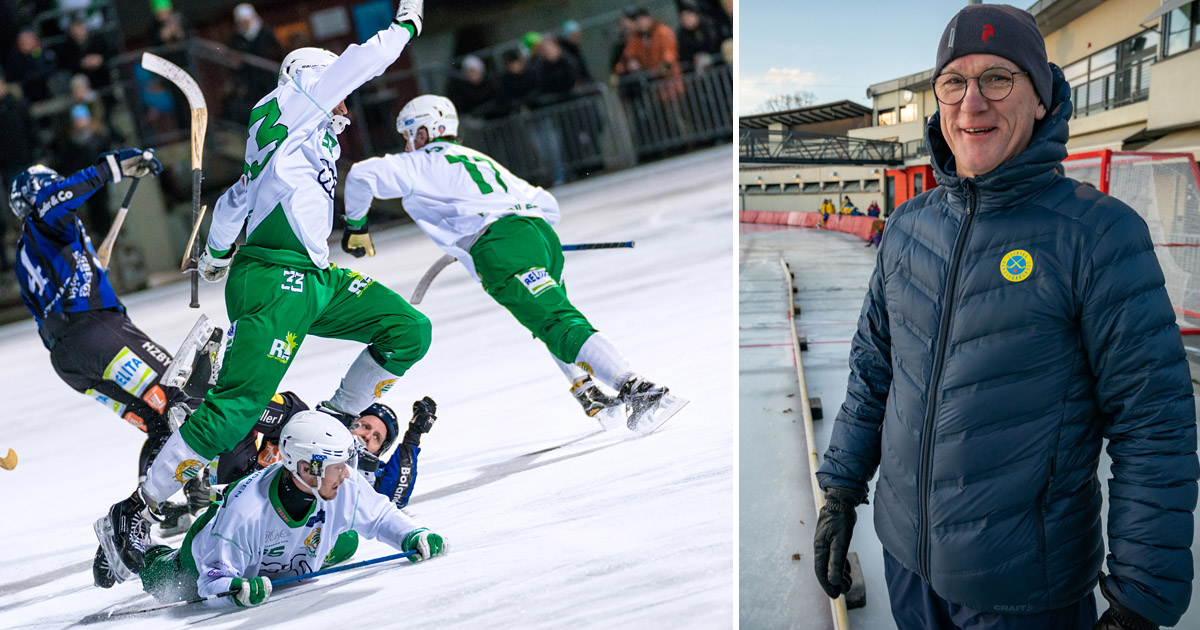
column 56, row 265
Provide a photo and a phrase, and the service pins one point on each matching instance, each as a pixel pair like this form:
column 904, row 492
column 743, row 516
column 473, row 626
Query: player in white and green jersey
column 284, row 520
column 281, row 286
column 499, row 227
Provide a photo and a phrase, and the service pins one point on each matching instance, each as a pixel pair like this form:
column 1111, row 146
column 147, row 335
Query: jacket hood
column 1031, row 170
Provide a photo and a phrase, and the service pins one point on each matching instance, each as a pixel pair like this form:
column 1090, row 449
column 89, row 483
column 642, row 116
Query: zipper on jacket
column 1039, row 509
column 923, row 473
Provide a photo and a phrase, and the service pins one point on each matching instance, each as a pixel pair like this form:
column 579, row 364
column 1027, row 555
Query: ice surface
column 604, row 532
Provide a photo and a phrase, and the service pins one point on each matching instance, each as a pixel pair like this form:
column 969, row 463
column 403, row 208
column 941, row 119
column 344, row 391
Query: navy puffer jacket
column 1013, row 320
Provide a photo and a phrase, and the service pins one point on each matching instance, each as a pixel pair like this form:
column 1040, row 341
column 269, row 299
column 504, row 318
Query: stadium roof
column 805, row 115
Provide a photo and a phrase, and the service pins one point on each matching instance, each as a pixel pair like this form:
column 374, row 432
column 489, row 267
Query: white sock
column 573, row 372
column 600, row 357
column 365, row 381
column 175, row 464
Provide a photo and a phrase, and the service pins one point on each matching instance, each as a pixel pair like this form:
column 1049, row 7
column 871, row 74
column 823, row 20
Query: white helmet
column 436, row 114
column 302, row 59
column 318, row 439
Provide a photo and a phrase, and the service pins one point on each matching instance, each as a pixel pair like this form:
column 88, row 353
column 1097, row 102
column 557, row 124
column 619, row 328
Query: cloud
column 754, row 89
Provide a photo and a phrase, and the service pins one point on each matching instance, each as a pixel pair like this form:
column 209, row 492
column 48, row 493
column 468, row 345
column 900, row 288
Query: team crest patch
column 1016, row 265
column 187, row 469
column 383, row 386
column 585, row 367
column 313, row 541
column 536, row 280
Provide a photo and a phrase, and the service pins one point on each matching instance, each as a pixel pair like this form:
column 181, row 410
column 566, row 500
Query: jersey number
column 473, row 171
column 269, row 132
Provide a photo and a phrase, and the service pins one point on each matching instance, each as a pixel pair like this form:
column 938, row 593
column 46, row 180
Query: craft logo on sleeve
column 536, row 280
column 1016, row 265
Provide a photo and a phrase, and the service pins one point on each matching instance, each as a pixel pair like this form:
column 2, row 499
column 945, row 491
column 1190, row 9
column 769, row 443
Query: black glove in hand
column 835, row 525
column 357, row 242
column 1118, row 617
column 131, row 163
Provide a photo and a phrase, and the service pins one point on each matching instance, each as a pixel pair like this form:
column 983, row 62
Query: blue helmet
column 384, row 413
column 23, row 194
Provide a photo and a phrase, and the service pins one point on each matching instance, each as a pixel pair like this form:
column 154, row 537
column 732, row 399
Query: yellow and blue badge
column 1016, row 265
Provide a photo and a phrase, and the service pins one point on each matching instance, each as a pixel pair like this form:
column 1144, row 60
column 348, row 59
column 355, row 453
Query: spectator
column 628, row 28
column 83, row 94
column 848, row 207
column 699, row 45
column 85, row 52
column 827, row 210
column 20, row 146
column 571, row 41
column 31, row 66
column 85, row 138
column 556, row 72
column 653, row 51
column 516, row 85
column 873, row 209
column 473, row 93
column 250, row 82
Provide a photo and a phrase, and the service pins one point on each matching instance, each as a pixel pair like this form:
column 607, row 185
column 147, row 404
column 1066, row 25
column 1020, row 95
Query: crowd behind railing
column 69, row 91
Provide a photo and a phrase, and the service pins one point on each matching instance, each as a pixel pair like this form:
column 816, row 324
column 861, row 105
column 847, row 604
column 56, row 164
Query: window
column 1183, row 28
column 887, row 117
column 908, row 113
column 1116, row 76
column 918, row 180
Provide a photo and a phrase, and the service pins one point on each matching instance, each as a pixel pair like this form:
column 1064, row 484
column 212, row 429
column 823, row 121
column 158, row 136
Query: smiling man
column 1016, row 319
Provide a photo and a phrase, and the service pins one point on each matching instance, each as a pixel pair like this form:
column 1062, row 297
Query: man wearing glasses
column 1015, row 318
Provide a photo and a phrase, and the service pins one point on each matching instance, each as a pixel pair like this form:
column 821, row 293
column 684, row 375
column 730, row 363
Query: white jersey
column 285, row 194
column 252, row 535
column 453, row 193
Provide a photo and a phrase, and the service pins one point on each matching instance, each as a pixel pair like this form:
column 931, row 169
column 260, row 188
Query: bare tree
column 784, row 102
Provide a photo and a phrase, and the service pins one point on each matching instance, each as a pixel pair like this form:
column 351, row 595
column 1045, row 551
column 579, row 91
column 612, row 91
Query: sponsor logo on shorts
column 536, row 280
column 130, row 372
column 156, row 352
column 155, row 397
column 116, row 407
column 282, row 349
column 135, row 420
column 1016, row 265
column 359, row 284
column 382, row 387
column 187, row 469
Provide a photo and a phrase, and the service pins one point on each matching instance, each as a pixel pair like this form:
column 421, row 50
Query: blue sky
column 835, row 49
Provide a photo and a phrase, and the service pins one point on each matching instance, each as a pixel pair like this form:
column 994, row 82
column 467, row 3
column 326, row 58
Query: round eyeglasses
column 995, row 84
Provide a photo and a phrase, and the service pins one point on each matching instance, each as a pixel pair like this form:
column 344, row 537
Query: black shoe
column 591, row 398
column 640, row 397
column 125, row 534
column 102, row 573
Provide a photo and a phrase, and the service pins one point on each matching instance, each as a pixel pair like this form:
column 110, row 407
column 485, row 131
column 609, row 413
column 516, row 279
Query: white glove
column 213, row 268
column 413, row 12
column 251, row 592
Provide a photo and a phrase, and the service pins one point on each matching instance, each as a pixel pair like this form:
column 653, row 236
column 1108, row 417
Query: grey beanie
column 1001, row 30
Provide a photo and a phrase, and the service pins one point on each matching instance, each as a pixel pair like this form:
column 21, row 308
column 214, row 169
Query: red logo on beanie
column 987, row 31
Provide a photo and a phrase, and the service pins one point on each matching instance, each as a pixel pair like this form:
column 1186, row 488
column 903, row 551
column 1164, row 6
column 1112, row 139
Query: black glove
column 357, row 242
column 131, row 163
column 835, row 525
column 424, row 414
column 1118, row 617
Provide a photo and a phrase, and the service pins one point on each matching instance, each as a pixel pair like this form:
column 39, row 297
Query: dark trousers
column 916, row 607
column 102, row 354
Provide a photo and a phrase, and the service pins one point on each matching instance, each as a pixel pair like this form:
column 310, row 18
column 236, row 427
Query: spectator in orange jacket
column 654, row 50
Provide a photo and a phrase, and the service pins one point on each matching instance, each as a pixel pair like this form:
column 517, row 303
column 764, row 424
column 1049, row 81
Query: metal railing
column 762, row 146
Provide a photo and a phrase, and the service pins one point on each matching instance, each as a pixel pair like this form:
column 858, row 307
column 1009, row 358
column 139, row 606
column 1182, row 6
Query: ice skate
column 648, row 405
column 194, row 363
column 102, row 573
column 124, row 535
column 596, row 404
column 176, row 519
column 198, row 491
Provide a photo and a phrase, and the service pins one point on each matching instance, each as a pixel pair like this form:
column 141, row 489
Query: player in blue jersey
column 93, row 345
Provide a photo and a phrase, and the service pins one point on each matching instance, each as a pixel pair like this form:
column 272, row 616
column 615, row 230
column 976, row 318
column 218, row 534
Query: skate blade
column 104, row 534
column 180, row 369
column 667, row 407
column 611, row 417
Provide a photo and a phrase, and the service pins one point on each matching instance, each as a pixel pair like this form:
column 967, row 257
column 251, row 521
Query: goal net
column 1164, row 188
